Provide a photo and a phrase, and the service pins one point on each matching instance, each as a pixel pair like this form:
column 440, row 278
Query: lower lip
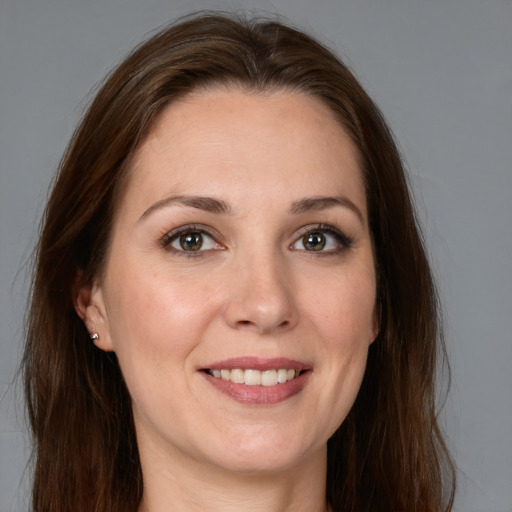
column 259, row 395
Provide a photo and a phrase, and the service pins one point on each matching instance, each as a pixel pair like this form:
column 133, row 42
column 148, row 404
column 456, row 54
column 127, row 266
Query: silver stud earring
column 94, row 336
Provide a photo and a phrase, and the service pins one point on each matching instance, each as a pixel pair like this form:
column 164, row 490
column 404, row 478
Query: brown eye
column 191, row 241
column 322, row 239
column 314, row 241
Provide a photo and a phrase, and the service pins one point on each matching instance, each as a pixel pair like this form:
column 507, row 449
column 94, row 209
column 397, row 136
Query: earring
column 94, row 336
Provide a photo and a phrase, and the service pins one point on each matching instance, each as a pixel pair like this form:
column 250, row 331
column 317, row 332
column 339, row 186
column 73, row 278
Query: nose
column 262, row 297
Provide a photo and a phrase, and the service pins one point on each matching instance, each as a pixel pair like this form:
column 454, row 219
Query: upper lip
column 258, row 363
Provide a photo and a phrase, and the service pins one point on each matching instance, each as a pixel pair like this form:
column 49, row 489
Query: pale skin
column 276, row 262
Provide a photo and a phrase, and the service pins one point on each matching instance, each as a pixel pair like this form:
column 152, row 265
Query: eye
column 190, row 240
column 322, row 239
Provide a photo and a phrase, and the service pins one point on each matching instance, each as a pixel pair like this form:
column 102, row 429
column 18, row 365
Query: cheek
column 344, row 308
column 155, row 323
column 343, row 315
column 154, row 314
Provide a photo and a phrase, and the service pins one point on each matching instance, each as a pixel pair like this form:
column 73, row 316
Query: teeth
column 237, row 376
column 252, row 377
column 269, row 378
column 282, row 375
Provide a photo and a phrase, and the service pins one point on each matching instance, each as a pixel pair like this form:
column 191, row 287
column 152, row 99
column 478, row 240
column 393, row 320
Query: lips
column 252, row 380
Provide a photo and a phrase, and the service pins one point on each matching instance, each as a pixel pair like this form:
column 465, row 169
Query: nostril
column 261, row 327
column 254, row 314
column 284, row 324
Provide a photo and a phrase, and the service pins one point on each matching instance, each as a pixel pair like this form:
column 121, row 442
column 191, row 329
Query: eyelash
column 174, row 235
column 343, row 240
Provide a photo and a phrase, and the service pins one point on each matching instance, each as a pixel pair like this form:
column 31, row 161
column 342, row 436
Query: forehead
column 232, row 140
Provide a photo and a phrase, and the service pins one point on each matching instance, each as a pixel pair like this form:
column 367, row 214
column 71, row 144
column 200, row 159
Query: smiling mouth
column 258, row 381
column 254, row 377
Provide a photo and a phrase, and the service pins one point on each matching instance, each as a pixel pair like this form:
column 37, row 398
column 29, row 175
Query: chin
column 265, row 452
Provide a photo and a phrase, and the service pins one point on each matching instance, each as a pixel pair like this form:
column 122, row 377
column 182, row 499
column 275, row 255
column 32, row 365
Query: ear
column 90, row 307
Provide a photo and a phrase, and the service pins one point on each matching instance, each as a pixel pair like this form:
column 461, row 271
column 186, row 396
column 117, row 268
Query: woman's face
column 239, row 289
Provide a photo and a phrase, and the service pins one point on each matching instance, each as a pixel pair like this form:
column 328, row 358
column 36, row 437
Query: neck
column 190, row 486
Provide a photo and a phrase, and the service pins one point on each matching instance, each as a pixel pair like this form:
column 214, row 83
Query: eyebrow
column 323, row 203
column 207, row 204
column 220, row 207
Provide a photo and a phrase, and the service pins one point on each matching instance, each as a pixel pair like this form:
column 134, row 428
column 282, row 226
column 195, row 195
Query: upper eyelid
column 328, row 228
column 317, row 226
column 200, row 228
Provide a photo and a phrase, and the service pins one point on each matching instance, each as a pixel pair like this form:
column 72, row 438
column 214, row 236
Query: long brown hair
column 388, row 454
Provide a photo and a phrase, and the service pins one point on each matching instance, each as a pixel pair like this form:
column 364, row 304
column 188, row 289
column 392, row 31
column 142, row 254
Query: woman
column 232, row 308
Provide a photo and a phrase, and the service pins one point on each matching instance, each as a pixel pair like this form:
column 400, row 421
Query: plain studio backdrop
column 441, row 71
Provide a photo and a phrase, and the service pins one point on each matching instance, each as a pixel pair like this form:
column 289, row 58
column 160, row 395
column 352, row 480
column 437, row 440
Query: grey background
column 442, row 73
